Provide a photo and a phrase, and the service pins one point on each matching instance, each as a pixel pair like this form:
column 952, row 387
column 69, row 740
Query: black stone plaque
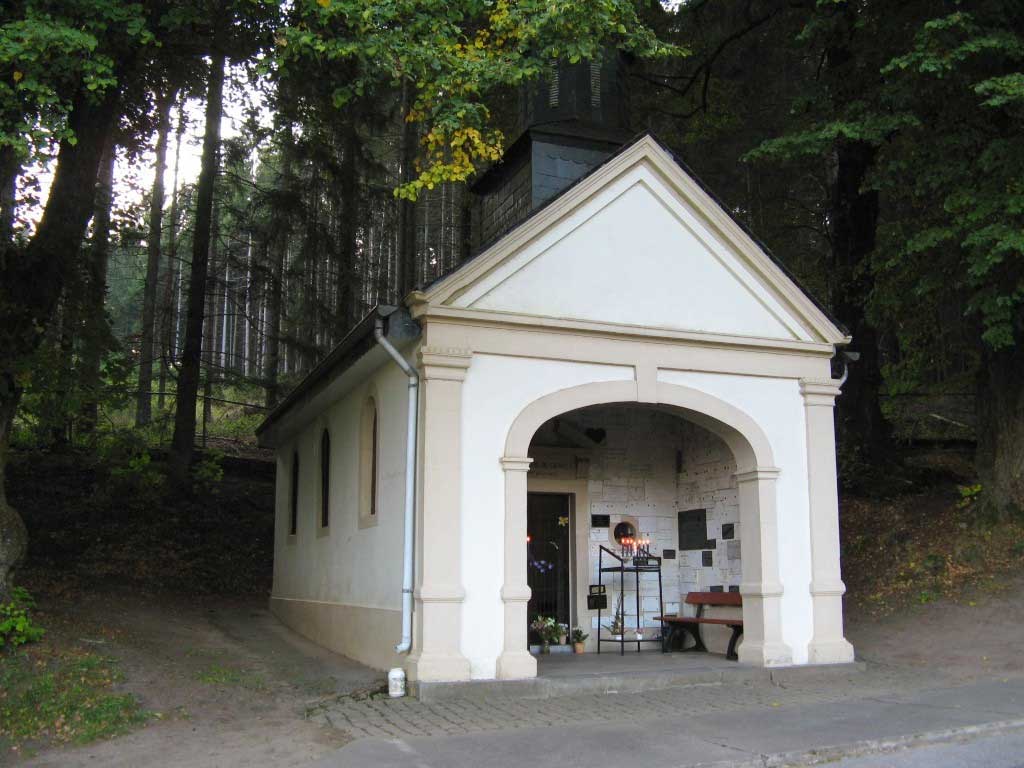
column 712, row 544
column 668, row 554
column 600, row 521
column 597, row 602
column 716, row 588
column 706, row 559
column 693, row 529
column 734, row 588
column 728, row 531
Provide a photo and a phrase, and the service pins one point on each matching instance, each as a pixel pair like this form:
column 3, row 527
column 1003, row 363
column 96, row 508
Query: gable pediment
column 640, row 244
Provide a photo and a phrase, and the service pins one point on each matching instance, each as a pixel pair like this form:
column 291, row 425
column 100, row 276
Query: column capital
column 516, row 463
column 445, row 363
column 820, row 391
column 757, row 474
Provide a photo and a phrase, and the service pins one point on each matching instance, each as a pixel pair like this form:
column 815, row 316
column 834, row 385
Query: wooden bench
column 675, row 628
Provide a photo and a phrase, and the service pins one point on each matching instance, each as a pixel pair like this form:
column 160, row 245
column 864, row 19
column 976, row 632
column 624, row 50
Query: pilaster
column 439, row 593
column 515, row 661
column 762, row 585
column 828, row 645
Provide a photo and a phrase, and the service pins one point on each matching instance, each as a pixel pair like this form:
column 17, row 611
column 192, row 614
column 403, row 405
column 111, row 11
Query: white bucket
column 396, row 683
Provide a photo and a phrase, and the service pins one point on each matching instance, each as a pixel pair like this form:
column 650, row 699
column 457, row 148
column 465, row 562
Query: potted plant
column 579, row 637
column 547, row 629
column 563, row 633
column 618, row 626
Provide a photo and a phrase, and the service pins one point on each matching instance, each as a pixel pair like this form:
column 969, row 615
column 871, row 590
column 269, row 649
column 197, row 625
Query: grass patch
column 64, row 697
column 229, row 676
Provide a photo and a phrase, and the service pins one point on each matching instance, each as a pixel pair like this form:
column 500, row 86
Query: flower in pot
column 617, row 627
column 579, row 638
column 546, row 628
column 563, row 633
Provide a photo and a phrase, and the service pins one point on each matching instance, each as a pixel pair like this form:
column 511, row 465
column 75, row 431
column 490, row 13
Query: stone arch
column 755, row 476
column 741, row 433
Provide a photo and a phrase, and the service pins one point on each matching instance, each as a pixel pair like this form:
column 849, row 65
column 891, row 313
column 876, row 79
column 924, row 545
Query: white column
column 515, row 661
column 762, row 586
column 828, row 645
column 439, row 593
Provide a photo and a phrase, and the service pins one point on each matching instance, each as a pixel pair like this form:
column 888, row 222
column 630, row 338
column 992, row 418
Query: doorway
column 549, row 557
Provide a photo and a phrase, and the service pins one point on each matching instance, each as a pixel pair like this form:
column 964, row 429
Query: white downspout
column 410, row 483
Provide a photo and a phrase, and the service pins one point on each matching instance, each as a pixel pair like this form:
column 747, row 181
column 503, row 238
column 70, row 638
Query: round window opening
column 624, row 531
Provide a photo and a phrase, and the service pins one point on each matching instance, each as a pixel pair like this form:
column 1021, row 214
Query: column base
column 830, row 652
column 437, row 668
column 516, row 665
column 765, row 655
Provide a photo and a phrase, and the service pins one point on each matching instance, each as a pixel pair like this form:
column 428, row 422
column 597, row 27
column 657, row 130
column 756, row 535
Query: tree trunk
column 13, row 536
column 32, row 280
column 170, row 316
column 854, row 226
column 405, row 259
column 1000, row 455
column 188, row 377
column 144, row 400
column 95, row 315
column 10, row 167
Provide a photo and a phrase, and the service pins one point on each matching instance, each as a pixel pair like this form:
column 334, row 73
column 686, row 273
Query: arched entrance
column 755, row 476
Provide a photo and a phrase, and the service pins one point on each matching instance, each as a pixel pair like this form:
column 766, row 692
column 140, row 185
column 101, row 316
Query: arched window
column 293, row 510
column 325, row 479
column 369, row 451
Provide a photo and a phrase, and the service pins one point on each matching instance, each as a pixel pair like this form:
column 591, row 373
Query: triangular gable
column 638, row 243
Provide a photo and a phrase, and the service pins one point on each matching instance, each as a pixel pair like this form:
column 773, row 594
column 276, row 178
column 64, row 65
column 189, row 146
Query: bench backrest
column 714, row 598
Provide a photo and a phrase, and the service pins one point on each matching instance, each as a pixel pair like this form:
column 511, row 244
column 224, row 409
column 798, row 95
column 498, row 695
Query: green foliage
column 48, row 51
column 229, row 676
column 456, row 56
column 968, row 495
column 127, row 471
column 66, row 698
column 208, row 473
column 16, row 625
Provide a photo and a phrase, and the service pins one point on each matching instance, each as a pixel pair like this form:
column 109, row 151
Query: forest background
column 199, row 198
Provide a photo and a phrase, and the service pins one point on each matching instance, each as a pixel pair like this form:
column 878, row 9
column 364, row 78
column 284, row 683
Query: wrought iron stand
column 624, row 565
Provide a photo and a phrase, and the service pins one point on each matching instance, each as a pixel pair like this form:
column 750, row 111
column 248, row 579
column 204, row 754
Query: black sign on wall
column 600, row 521
column 693, row 529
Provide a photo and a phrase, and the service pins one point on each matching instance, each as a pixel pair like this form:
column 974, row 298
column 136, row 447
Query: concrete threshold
column 590, row 678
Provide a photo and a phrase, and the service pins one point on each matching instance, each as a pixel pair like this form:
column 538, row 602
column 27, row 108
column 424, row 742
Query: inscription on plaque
column 693, row 529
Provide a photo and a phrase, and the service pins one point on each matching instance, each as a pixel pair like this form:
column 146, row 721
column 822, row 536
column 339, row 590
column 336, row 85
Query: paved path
column 725, row 723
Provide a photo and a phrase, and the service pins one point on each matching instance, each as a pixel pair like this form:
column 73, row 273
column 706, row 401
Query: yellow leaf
column 17, row 76
column 323, row 3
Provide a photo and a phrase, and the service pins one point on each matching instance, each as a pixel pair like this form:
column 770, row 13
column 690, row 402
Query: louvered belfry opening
column 568, row 124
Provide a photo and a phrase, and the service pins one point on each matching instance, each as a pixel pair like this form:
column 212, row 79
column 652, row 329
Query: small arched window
column 293, row 509
column 369, row 452
column 325, row 479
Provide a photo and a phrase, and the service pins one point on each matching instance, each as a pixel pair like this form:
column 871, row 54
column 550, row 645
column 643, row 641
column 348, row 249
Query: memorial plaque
column 597, row 602
column 728, row 530
column 707, row 559
column 600, row 521
column 693, row 529
column 668, row 554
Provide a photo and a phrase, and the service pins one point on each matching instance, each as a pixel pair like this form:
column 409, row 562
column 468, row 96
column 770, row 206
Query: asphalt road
column 998, row 751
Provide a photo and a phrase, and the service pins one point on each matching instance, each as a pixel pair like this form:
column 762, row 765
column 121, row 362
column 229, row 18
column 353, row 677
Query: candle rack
column 635, row 559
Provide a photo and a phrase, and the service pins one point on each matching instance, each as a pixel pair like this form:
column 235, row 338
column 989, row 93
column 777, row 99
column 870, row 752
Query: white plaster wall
column 348, row 565
column 495, row 391
column 778, row 408
column 597, row 263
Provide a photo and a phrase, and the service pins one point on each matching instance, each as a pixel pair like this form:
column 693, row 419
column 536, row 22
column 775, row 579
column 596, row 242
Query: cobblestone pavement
column 391, row 718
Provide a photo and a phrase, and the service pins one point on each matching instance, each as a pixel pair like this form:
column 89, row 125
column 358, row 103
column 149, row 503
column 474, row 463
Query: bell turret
column 568, row 125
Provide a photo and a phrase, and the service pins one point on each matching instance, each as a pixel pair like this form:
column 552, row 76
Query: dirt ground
column 229, row 684
column 232, row 686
